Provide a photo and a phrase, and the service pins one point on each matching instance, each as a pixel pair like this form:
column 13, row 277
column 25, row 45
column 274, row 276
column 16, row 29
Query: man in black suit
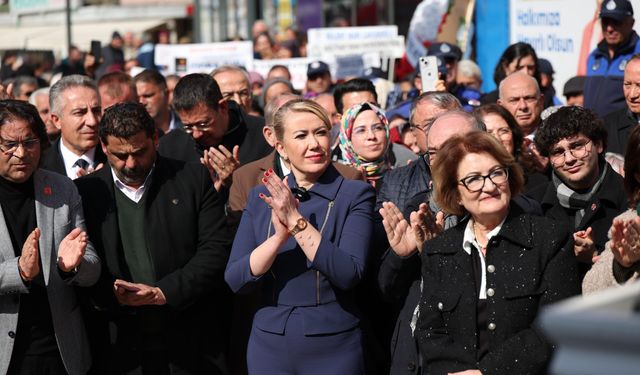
column 160, row 228
column 216, row 131
column 76, row 111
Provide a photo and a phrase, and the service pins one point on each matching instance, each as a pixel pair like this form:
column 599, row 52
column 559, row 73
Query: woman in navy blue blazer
column 305, row 240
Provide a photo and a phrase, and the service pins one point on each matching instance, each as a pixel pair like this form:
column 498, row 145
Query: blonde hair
column 298, row 106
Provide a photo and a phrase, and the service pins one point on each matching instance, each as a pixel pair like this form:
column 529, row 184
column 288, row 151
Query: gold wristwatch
column 301, row 224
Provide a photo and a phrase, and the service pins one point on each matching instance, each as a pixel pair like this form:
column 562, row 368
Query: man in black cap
column 574, row 91
column 605, row 65
column 620, row 123
column 546, row 80
column 450, row 54
column 318, row 79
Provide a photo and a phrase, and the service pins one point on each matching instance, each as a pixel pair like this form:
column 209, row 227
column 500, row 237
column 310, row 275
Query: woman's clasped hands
column 284, row 206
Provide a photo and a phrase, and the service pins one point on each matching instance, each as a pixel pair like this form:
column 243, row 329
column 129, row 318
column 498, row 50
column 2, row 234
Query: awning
column 54, row 37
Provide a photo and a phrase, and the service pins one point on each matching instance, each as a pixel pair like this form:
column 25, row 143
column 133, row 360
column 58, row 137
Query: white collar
column 285, row 171
column 470, row 240
column 70, row 158
column 132, row 193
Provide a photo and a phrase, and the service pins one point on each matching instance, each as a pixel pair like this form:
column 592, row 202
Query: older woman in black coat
column 486, row 279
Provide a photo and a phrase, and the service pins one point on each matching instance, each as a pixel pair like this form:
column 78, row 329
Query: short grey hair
column 442, row 100
column 267, row 85
column 22, row 80
column 515, row 74
column 473, row 120
column 469, row 68
column 231, row 68
column 39, row 92
column 64, row 84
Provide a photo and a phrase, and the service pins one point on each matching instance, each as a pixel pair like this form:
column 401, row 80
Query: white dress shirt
column 70, row 159
column 470, row 243
column 131, row 193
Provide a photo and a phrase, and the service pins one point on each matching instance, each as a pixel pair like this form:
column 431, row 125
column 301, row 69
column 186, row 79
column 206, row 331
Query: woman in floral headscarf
column 364, row 141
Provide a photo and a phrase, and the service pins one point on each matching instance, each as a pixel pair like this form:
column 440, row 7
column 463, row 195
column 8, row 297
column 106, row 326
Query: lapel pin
column 593, row 206
column 175, row 201
column 47, row 190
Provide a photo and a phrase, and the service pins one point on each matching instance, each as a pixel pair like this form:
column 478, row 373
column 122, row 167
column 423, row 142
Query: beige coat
column 600, row 276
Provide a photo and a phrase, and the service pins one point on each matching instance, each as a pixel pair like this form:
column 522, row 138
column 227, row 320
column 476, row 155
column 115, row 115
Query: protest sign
column 561, row 31
column 297, row 68
column 202, row 58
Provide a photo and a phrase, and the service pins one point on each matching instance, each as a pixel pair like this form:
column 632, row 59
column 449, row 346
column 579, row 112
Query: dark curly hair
column 568, row 122
column 124, row 120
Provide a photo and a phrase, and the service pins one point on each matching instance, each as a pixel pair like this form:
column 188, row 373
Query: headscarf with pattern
column 373, row 168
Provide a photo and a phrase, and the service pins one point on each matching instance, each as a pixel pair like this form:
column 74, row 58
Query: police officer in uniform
column 605, row 65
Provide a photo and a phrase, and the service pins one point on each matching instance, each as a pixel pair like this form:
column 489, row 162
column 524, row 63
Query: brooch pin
column 47, row 190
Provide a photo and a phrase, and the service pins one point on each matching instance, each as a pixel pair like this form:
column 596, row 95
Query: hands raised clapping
column 406, row 238
column 625, row 241
column 221, row 164
column 282, row 202
column 72, row 249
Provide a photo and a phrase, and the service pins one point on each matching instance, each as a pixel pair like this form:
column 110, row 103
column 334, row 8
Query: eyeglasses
column 362, row 131
column 475, row 183
column 422, row 128
column 9, row 147
column 577, row 149
column 242, row 94
column 201, row 126
column 431, row 153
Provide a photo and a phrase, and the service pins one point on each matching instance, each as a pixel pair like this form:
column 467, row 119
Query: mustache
column 132, row 174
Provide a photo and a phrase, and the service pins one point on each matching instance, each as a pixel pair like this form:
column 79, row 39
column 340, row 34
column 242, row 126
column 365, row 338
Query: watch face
column 301, row 224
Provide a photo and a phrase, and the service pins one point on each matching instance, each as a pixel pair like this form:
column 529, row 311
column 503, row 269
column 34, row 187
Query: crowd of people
column 227, row 223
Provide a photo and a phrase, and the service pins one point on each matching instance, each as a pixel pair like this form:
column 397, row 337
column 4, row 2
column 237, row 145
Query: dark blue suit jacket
column 322, row 290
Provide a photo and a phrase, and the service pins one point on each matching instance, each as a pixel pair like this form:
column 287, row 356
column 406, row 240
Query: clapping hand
column 281, row 201
column 405, row 238
column 584, row 246
column 6, row 91
column 221, row 164
column 28, row 263
column 625, row 241
column 72, row 250
column 425, row 226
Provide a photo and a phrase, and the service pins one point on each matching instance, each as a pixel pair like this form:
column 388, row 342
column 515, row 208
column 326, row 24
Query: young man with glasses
column 585, row 194
column 216, row 132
